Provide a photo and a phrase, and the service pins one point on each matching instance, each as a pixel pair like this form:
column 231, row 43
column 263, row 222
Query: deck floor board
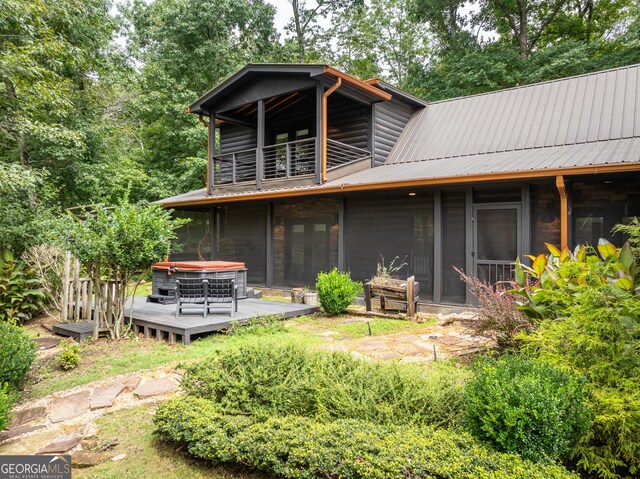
column 160, row 317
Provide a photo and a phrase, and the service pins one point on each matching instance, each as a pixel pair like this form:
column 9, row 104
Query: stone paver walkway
column 62, row 422
column 449, row 338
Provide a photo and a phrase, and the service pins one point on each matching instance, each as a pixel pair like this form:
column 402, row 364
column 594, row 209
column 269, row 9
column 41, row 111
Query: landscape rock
column 155, row 387
column 105, row 396
column 18, row 418
column 69, row 406
column 119, row 457
column 18, row 431
column 131, row 383
column 447, row 319
column 46, row 343
column 87, row 458
column 61, row 444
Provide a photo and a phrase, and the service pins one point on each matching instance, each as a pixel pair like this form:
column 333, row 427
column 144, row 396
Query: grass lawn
column 146, row 456
column 103, row 359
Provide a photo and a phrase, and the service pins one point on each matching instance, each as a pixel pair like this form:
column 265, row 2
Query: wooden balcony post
column 288, row 159
column 260, row 146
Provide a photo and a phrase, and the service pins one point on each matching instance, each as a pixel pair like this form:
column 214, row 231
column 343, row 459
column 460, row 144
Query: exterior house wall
column 235, row 138
column 347, row 121
column 430, row 229
column 389, row 119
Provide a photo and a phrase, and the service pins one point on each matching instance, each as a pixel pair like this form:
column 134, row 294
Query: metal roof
column 588, row 108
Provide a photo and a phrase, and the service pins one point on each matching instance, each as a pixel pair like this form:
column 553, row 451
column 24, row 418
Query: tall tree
column 304, row 19
column 57, row 64
column 381, row 39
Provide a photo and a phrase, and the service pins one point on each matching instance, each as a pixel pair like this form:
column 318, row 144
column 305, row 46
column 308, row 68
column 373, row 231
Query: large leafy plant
column 552, row 283
column 20, row 292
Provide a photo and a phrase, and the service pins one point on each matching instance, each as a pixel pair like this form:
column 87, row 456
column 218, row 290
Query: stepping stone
column 155, row 387
column 60, row 445
column 46, row 343
column 18, row 418
column 69, row 406
column 105, row 396
column 18, row 431
column 87, row 458
column 132, row 382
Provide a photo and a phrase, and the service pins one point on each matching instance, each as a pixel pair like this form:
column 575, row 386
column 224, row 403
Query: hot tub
column 164, row 276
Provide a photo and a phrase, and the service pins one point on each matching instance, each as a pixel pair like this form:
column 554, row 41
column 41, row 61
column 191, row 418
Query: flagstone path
column 62, row 422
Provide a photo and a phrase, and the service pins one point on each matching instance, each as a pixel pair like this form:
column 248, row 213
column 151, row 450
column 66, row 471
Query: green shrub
column 7, row 398
column 260, row 325
column 267, row 380
column 526, row 407
column 20, row 293
column 593, row 341
column 336, row 291
column 588, row 312
column 69, row 357
column 17, row 353
column 296, row 447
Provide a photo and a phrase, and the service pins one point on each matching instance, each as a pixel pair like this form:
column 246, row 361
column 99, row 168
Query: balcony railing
column 339, row 154
column 294, row 158
column 237, row 167
column 284, row 160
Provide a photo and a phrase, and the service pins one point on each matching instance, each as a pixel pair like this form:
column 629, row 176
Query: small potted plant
column 310, row 297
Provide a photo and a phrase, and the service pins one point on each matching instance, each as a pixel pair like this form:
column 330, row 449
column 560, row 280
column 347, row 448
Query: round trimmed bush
column 17, row 353
column 336, row 291
column 527, row 407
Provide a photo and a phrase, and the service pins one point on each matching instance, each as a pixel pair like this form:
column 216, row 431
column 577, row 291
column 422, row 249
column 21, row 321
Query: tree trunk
column 522, row 34
column 299, row 32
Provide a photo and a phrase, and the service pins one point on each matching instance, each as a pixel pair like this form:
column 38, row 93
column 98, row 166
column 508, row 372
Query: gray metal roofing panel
column 594, row 107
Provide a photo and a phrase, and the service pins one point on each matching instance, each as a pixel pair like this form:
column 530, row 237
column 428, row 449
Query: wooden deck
column 159, row 321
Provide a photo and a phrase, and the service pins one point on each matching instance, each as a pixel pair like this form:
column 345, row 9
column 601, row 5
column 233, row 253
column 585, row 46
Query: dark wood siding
column 236, row 138
column 390, row 118
column 347, row 121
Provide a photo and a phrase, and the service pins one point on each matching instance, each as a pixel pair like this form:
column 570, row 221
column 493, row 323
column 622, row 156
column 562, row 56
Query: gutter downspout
column 564, row 212
column 207, row 124
column 325, row 95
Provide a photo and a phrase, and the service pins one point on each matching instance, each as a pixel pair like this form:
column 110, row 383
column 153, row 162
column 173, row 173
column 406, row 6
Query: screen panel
column 242, row 236
column 391, row 227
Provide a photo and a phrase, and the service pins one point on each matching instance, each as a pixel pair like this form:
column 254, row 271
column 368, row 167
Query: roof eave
column 434, row 182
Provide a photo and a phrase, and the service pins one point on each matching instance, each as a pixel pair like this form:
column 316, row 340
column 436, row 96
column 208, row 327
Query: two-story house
column 310, row 168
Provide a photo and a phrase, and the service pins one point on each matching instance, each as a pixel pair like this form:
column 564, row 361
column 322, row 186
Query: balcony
column 293, row 159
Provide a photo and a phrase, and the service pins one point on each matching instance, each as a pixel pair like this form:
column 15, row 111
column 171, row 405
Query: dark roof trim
column 398, row 93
